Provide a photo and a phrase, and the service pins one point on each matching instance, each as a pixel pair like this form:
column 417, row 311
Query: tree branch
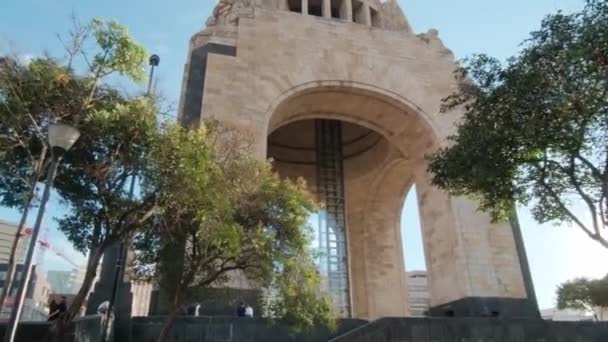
column 569, row 213
column 584, row 196
column 146, row 201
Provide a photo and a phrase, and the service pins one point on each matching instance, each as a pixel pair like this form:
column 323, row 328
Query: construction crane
column 46, row 245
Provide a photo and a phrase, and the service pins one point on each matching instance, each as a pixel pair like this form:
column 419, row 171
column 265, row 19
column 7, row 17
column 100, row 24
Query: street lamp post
column 61, row 138
column 153, row 61
column 123, row 248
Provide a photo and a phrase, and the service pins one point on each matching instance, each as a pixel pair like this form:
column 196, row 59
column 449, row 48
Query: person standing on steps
column 57, row 308
column 240, row 310
column 248, row 311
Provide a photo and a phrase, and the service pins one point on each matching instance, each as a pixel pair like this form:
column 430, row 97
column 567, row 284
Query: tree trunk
column 12, row 266
column 82, row 294
column 166, row 330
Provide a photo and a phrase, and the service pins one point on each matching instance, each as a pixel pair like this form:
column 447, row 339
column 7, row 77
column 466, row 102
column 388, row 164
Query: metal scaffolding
column 331, row 230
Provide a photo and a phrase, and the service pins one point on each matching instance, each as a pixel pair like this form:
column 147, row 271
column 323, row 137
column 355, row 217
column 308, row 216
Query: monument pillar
column 114, row 265
column 271, row 68
column 346, row 11
column 367, row 15
column 326, row 9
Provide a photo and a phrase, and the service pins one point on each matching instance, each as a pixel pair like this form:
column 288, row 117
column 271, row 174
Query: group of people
column 57, row 307
column 190, row 309
column 244, row 310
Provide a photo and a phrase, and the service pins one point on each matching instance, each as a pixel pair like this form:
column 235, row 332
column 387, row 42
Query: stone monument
column 344, row 94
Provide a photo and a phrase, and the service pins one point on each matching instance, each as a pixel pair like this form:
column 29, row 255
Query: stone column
column 367, row 15
column 346, row 10
column 108, row 267
column 105, row 285
column 374, row 206
column 305, row 7
column 523, row 259
column 385, row 270
column 326, row 8
column 446, row 268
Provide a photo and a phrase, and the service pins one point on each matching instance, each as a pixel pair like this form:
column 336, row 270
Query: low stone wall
column 230, row 329
column 29, row 331
column 84, row 329
column 476, row 330
column 217, row 302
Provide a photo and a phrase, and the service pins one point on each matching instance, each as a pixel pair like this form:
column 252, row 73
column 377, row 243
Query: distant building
column 7, row 236
column 61, row 281
column 78, row 277
column 67, row 282
column 418, row 293
column 142, row 292
column 40, row 297
column 555, row 314
column 35, row 307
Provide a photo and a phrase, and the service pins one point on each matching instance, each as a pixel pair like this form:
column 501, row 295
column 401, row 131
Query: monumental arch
column 345, row 95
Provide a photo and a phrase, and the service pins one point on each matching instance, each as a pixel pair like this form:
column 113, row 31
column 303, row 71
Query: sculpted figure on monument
column 227, row 12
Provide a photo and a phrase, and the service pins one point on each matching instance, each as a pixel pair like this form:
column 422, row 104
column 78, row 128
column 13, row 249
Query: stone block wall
column 83, row 329
column 230, row 329
column 265, row 68
column 476, row 330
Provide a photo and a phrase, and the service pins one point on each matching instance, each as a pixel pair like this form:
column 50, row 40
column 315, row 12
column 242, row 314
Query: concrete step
column 475, row 329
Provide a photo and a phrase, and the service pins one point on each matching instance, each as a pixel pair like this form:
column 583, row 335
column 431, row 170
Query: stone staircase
column 366, row 332
column 231, row 329
column 475, row 330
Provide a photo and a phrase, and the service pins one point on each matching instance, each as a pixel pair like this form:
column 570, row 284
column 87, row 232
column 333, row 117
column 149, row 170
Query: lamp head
column 62, row 136
column 154, row 60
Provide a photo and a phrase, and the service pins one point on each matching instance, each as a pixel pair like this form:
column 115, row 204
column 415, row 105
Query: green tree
column 226, row 212
column 535, row 130
column 97, row 180
column 114, row 134
column 292, row 296
column 31, row 96
column 584, row 294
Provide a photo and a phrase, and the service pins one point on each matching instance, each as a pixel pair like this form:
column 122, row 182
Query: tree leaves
column 119, row 52
column 116, row 134
column 584, row 294
column 535, row 130
column 293, row 298
column 221, row 211
column 47, row 90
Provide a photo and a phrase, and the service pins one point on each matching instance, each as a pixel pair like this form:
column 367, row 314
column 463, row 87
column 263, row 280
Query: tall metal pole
column 154, row 61
column 123, row 249
column 118, row 273
column 11, row 332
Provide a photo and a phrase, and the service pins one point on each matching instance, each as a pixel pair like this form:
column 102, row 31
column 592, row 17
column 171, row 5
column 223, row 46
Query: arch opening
column 401, row 122
column 361, row 175
column 332, row 157
column 414, row 257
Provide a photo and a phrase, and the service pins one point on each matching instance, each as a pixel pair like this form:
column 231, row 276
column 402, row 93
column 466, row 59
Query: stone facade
column 264, row 66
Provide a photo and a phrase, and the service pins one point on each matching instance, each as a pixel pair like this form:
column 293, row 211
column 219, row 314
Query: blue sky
column 495, row 27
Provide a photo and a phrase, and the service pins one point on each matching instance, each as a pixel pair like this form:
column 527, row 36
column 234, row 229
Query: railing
column 476, row 330
column 230, row 329
column 84, row 329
